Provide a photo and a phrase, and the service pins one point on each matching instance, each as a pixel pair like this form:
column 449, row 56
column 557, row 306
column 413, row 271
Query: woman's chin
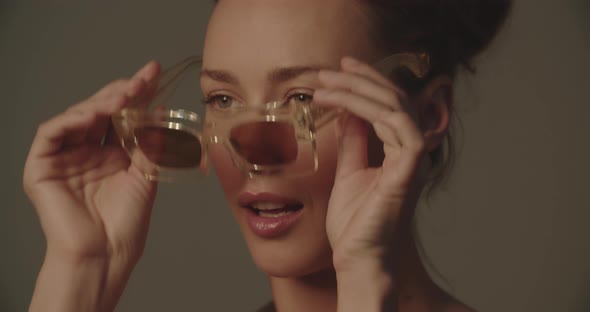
column 288, row 269
column 288, row 258
column 291, row 245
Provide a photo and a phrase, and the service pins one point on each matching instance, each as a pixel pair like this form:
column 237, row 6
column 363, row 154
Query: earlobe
column 435, row 113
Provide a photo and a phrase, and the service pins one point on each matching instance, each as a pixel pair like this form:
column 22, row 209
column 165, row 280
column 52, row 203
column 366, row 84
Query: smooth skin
column 344, row 244
column 93, row 205
column 352, row 250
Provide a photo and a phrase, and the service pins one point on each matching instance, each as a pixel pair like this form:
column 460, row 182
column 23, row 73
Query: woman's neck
column 416, row 290
column 317, row 292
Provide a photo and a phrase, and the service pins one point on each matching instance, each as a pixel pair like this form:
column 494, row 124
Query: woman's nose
column 265, row 143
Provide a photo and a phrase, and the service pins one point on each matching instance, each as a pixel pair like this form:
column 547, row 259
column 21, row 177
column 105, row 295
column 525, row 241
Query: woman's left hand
column 367, row 203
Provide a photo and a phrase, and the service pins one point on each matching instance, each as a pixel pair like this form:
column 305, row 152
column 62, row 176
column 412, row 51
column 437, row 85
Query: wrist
column 366, row 286
column 69, row 282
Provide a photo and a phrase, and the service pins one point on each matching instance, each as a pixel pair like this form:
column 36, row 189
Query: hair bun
column 468, row 27
column 452, row 31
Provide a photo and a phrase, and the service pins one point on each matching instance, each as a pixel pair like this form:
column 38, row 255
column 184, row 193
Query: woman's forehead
column 285, row 31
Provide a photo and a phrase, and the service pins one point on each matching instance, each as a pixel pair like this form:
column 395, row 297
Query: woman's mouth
column 273, row 210
column 270, row 215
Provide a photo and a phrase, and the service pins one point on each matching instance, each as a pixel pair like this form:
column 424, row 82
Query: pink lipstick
column 270, row 215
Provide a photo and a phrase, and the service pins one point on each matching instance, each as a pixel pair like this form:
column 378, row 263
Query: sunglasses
column 167, row 136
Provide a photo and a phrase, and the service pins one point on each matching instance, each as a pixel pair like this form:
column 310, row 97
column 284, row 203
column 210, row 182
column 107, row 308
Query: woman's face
column 250, row 51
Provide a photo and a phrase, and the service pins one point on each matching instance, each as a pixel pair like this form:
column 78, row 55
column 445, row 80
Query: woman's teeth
column 273, row 210
column 273, row 214
column 268, row 206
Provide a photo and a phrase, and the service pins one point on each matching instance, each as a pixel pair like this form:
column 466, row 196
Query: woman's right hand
column 91, row 201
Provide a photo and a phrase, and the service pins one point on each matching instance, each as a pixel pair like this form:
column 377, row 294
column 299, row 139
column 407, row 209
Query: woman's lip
column 246, row 199
column 270, row 227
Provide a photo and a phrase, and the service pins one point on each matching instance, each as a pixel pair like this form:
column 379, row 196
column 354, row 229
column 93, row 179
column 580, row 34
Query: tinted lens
column 265, row 143
column 170, row 148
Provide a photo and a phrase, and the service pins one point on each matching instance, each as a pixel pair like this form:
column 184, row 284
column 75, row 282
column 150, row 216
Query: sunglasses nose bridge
column 265, row 143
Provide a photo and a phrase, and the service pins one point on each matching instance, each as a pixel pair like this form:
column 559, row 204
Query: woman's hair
column 451, row 32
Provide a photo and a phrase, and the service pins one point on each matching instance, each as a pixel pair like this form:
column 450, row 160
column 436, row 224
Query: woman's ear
column 435, row 104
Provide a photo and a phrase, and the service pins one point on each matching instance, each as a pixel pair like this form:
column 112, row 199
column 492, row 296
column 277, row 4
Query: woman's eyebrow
column 220, row 75
column 283, row 74
column 277, row 75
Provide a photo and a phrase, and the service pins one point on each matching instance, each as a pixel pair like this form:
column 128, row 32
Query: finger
column 83, row 158
column 352, row 65
column 102, row 133
column 131, row 89
column 52, row 134
column 150, row 74
column 352, row 149
column 147, row 74
column 375, row 113
column 146, row 84
column 361, row 85
column 366, row 108
column 114, row 87
column 102, row 112
column 149, row 71
column 404, row 147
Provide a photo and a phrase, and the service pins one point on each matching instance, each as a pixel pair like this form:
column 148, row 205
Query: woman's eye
column 220, row 101
column 301, row 98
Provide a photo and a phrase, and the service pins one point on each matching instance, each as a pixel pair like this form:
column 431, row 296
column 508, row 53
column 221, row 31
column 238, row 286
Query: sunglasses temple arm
column 169, row 78
column 417, row 63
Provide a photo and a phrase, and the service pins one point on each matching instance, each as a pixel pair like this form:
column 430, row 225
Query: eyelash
column 211, row 99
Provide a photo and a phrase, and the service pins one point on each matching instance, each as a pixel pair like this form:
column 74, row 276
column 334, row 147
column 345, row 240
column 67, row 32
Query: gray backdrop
column 509, row 234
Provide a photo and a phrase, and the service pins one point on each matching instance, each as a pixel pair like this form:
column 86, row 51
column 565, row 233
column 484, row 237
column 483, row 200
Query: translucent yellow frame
column 305, row 120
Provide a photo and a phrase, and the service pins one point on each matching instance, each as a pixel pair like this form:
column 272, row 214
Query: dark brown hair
column 451, row 32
